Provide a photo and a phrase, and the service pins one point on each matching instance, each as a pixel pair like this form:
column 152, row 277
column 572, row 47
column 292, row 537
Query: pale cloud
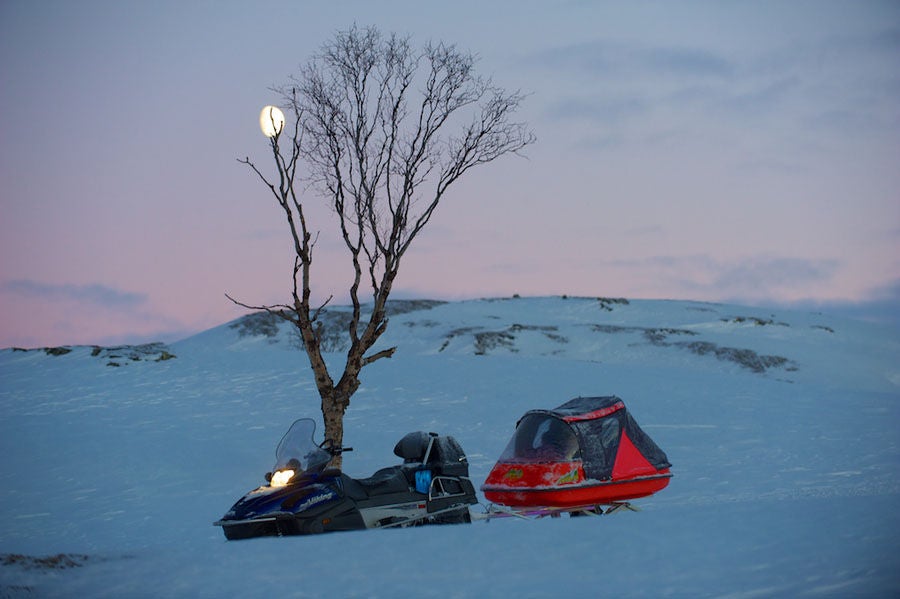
column 746, row 279
column 99, row 295
column 602, row 109
column 36, row 313
column 881, row 305
column 684, row 61
column 750, row 275
column 609, row 58
column 760, row 98
column 812, row 88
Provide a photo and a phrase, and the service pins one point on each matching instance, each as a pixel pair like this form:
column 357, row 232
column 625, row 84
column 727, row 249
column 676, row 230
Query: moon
column 271, row 121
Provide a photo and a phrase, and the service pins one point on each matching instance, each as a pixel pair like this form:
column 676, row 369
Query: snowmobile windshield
column 542, row 438
column 297, row 451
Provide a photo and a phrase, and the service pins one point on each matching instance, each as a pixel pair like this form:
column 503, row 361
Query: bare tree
column 383, row 131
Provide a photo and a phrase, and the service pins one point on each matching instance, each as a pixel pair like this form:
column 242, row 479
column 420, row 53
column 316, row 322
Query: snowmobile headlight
column 281, row 477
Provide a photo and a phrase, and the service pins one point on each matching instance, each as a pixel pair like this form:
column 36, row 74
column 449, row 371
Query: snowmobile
column 587, row 456
column 303, row 496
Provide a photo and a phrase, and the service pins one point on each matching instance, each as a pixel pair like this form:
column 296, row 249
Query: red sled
column 586, row 453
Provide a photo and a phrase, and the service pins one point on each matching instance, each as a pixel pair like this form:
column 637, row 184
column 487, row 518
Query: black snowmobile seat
column 385, row 481
column 352, row 488
column 445, row 459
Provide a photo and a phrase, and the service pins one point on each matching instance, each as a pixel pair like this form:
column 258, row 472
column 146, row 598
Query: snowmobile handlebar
column 328, row 445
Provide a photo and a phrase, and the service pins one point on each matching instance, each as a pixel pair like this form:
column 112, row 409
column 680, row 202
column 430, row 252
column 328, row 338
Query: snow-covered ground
column 783, row 429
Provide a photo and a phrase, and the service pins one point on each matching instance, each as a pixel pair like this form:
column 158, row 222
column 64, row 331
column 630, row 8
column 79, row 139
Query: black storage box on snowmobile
column 440, row 453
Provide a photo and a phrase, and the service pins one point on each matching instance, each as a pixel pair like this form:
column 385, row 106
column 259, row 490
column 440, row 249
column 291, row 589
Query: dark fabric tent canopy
column 610, row 443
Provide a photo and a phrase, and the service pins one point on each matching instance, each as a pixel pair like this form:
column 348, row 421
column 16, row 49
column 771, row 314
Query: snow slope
column 782, row 429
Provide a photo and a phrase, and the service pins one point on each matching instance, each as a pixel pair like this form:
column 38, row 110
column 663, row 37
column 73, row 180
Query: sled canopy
column 588, row 451
column 597, row 430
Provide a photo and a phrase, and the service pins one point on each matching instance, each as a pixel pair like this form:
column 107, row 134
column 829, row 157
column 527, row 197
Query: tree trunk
column 333, row 416
column 334, row 406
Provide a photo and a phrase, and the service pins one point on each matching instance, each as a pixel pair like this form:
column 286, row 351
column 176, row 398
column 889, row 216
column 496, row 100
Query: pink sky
column 744, row 152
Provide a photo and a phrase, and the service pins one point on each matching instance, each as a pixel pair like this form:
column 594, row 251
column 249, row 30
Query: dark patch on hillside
column 257, row 324
column 57, row 351
column 700, row 309
column 607, row 303
column 332, row 328
column 332, row 325
column 116, row 356
column 457, row 333
column 60, row 561
column 488, row 340
column 50, row 565
column 401, row 306
column 123, row 354
column 746, row 358
column 760, row 322
column 653, row 335
column 50, row 351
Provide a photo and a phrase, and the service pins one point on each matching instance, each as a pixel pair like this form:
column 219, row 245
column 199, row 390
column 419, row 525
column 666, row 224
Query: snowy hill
column 782, row 428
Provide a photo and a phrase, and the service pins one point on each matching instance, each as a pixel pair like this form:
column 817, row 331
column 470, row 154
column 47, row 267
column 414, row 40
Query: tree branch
column 386, row 353
column 282, row 313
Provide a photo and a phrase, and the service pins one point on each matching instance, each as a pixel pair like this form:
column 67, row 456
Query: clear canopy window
column 541, row 438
